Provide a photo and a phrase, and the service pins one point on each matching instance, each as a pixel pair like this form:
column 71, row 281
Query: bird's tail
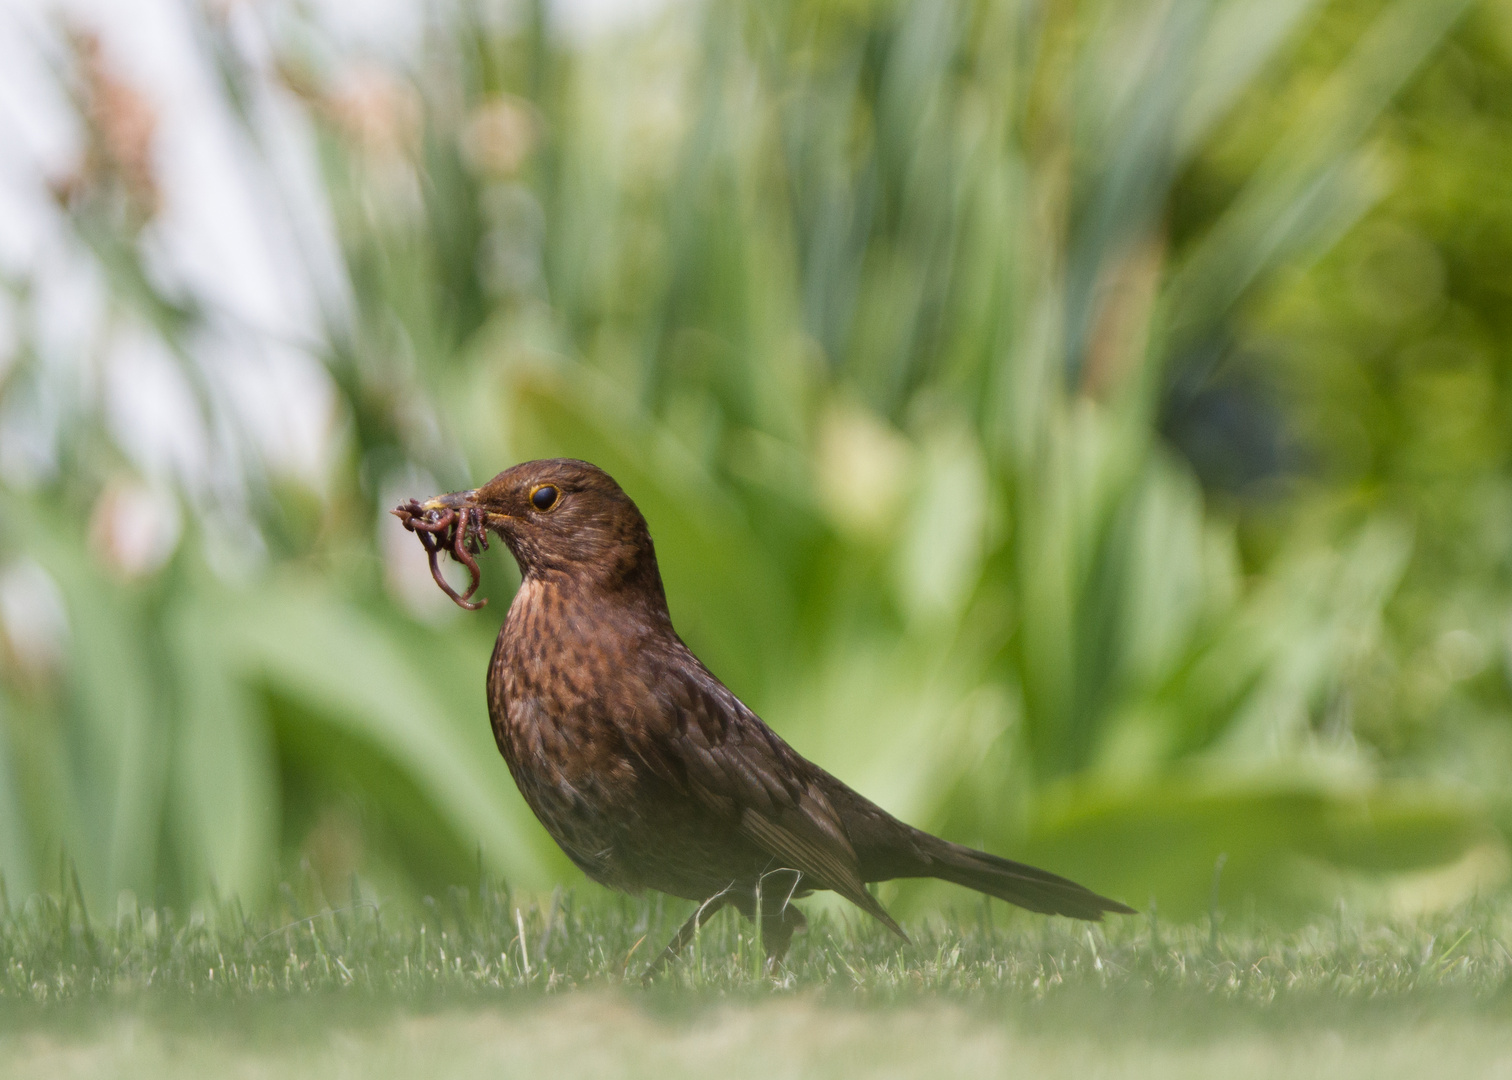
column 1026, row 886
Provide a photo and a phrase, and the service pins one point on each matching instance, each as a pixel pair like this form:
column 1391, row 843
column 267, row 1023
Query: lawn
column 448, row 991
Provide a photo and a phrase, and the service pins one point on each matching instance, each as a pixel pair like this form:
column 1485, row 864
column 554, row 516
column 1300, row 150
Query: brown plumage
column 647, row 771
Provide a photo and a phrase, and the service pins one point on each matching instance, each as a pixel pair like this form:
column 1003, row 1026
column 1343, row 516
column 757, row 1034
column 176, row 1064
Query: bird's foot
column 777, row 930
column 685, row 934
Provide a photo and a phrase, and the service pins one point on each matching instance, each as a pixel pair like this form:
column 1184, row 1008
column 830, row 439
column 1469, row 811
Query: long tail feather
column 1017, row 883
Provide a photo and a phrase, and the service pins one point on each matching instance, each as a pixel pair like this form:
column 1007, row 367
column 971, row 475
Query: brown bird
column 647, row 771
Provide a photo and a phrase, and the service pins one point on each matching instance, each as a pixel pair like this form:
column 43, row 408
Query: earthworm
column 461, row 533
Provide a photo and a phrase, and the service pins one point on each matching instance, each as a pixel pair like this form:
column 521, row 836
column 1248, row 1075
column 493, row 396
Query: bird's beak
column 457, row 500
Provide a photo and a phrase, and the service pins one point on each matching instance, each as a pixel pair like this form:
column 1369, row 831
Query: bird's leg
column 706, row 911
column 777, row 930
column 780, row 920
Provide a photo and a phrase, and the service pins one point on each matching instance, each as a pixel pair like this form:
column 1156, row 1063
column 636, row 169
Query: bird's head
column 568, row 517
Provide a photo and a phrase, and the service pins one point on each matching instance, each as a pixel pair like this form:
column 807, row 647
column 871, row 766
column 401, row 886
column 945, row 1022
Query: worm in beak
column 452, row 524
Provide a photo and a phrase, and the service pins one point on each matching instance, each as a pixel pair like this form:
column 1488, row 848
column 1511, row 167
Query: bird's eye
column 544, row 497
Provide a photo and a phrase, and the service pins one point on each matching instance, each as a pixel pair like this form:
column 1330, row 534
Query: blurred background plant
column 1082, row 427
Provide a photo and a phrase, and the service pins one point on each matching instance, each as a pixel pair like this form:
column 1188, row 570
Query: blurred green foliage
column 1081, row 427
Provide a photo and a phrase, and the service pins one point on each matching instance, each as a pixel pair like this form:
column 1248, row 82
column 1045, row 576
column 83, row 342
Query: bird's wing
column 722, row 755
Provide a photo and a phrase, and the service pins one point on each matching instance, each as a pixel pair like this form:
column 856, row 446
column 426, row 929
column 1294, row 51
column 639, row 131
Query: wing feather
column 719, row 753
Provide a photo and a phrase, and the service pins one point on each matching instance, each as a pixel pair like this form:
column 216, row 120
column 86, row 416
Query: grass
column 449, row 990
column 489, row 943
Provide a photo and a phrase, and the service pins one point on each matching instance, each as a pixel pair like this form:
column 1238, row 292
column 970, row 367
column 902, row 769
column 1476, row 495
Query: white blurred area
column 239, row 233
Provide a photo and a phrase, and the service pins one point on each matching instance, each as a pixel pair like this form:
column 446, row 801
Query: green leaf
column 1286, row 846
column 1316, row 180
column 356, row 672
column 117, row 739
column 224, row 809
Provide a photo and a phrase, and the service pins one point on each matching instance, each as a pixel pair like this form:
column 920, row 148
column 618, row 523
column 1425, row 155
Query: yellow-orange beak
column 457, row 500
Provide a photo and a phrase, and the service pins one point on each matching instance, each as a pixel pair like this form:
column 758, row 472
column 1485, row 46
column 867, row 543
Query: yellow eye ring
column 545, row 496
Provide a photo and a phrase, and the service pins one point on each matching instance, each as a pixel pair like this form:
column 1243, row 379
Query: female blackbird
column 640, row 763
